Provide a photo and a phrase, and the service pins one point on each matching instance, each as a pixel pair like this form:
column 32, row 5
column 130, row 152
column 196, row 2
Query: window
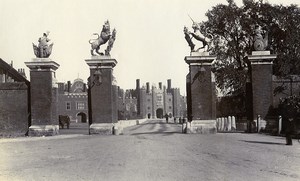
column 68, row 106
column 148, row 108
column 80, row 105
column 159, row 98
column 170, row 107
column 170, row 100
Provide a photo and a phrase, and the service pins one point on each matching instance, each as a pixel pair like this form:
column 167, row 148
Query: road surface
column 150, row 151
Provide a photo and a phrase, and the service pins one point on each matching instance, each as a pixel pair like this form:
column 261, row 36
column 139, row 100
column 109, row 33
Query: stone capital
column 101, row 62
column 42, row 64
column 261, row 57
column 200, row 60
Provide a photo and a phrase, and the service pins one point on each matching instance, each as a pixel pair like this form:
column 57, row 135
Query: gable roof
column 12, row 72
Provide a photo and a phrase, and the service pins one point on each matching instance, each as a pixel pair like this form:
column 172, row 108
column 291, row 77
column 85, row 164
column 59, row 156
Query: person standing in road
column 289, row 131
column 167, row 117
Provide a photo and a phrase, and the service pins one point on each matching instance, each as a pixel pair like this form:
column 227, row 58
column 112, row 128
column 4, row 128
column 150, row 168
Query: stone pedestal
column 262, row 90
column 103, row 94
column 201, row 94
column 43, row 92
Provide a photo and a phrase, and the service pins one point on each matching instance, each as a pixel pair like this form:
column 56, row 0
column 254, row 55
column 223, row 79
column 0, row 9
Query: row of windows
column 159, row 99
column 170, row 107
column 79, row 106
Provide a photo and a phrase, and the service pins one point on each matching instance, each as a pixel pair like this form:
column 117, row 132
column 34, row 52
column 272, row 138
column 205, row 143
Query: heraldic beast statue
column 105, row 36
column 43, row 50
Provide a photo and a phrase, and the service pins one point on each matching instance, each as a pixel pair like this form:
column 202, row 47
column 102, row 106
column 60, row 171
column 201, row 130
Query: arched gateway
column 81, row 117
column 159, row 113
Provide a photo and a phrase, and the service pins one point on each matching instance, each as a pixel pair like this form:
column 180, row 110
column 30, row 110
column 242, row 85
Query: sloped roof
column 13, row 72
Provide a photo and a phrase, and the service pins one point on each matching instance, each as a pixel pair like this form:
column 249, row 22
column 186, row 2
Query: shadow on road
column 152, row 127
column 157, row 133
column 263, row 142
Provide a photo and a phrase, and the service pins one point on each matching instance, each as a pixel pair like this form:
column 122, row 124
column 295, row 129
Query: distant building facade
column 127, row 104
column 159, row 101
column 72, row 100
column 141, row 102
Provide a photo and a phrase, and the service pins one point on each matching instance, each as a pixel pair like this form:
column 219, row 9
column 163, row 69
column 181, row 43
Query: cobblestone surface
column 150, row 151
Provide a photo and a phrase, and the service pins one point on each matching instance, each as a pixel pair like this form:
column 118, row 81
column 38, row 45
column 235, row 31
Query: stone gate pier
column 201, row 94
column 262, row 88
column 102, row 95
column 43, row 93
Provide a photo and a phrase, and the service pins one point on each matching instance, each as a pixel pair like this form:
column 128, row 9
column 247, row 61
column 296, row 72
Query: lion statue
column 101, row 39
column 111, row 42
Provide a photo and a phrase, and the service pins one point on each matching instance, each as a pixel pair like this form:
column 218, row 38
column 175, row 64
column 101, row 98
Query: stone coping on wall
column 121, row 124
column 43, row 130
column 114, row 128
column 101, row 128
column 201, row 127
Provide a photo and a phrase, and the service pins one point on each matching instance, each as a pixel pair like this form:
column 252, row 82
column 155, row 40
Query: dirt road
column 151, row 151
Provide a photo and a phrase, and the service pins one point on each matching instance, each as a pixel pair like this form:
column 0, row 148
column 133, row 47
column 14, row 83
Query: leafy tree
column 232, row 28
column 289, row 107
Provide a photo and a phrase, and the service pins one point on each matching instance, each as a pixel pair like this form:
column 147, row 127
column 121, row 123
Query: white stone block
column 233, row 123
column 229, row 123
column 102, row 128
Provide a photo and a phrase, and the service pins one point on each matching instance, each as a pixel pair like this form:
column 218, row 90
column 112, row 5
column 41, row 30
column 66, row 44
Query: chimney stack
column 69, row 86
column 147, row 87
column 137, row 83
column 169, row 85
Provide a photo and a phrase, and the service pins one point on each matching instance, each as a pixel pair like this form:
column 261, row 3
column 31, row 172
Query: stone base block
column 201, row 127
column 43, row 130
column 102, row 128
column 118, row 129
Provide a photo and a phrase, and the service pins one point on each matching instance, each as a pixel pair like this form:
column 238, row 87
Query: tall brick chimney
column 147, row 87
column 69, row 86
column 137, row 83
column 169, row 85
column 138, row 96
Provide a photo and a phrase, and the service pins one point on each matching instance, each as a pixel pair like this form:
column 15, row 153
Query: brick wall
column 14, row 108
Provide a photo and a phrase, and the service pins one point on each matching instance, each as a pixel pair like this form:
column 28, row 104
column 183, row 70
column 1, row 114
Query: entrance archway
column 149, row 115
column 81, row 117
column 160, row 113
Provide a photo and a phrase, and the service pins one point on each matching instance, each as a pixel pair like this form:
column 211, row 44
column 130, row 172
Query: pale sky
column 149, row 46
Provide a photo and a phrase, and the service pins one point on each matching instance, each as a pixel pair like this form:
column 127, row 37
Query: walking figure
column 289, row 131
column 167, row 117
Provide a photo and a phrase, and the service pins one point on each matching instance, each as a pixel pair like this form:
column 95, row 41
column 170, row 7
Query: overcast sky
column 150, row 43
